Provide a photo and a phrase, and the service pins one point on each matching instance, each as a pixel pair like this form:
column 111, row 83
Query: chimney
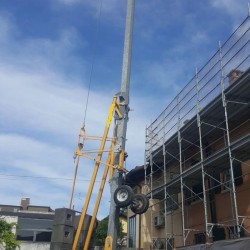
column 25, row 203
column 234, row 75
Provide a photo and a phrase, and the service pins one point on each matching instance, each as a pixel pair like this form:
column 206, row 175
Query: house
column 40, row 227
column 197, row 168
column 34, row 223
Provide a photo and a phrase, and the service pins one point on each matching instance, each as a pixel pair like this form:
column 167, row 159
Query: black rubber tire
column 140, row 204
column 123, row 196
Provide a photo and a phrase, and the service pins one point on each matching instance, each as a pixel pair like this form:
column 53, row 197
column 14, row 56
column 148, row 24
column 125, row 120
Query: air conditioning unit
column 159, row 221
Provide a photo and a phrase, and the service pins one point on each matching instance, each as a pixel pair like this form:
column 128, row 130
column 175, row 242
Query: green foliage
column 7, row 237
column 101, row 232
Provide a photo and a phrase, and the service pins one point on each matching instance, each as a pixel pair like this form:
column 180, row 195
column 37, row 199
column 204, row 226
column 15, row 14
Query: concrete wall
column 38, row 209
column 34, row 246
column 9, row 208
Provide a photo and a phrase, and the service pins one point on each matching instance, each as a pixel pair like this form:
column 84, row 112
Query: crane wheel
column 123, row 196
column 140, row 204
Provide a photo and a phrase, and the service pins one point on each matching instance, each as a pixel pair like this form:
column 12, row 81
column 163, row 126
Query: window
column 207, row 149
column 216, row 183
column 30, row 229
column 193, row 162
column 200, row 238
column 232, row 232
column 170, row 243
column 158, row 243
column 194, row 195
column 226, row 179
column 238, row 179
column 197, row 192
column 172, row 203
column 132, row 231
column 187, row 195
column 218, row 233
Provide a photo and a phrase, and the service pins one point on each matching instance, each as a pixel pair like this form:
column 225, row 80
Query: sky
column 51, row 51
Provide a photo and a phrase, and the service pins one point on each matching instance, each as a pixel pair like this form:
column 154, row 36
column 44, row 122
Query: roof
column 28, row 214
column 135, row 176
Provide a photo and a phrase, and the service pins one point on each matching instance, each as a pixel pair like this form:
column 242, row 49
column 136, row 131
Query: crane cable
column 87, row 100
column 92, row 60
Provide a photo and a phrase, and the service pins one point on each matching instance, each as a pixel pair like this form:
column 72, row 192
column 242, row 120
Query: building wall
column 194, row 213
column 211, row 106
column 174, row 227
column 124, row 224
column 25, row 245
column 34, row 246
column 223, row 200
column 38, row 209
column 9, row 208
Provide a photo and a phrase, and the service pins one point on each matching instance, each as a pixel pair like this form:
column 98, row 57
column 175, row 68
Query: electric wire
column 10, row 176
column 92, row 60
column 92, row 52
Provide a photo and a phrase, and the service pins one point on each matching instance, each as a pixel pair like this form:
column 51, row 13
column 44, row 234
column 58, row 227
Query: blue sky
column 46, row 51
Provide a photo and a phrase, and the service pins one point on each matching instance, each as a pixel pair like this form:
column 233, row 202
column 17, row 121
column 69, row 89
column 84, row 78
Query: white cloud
column 45, row 172
column 236, row 9
column 199, row 37
column 110, row 9
column 6, row 26
column 41, row 109
column 43, row 102
column 70, row 2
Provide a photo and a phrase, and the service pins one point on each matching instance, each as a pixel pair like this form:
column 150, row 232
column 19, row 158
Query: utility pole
column 121, row 123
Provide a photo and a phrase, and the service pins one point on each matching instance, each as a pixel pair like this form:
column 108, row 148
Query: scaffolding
column 197, row 147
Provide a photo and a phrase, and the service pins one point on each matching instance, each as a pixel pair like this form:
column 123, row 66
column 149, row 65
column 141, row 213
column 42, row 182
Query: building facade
column 41, row 228
column 197, row 158
column 34, row 224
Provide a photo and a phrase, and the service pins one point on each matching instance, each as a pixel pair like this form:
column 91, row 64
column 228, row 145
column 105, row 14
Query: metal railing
column 231, row 60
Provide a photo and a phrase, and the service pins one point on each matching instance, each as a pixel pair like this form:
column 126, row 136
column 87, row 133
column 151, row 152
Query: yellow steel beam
column 81, row 153
column 95, row 160
column 97, row 138
column 108, row 243
column 92, row 181
column 110, row 160
column 74, row 181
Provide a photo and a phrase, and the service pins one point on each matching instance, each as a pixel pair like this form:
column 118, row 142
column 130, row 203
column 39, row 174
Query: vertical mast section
column 121, row 124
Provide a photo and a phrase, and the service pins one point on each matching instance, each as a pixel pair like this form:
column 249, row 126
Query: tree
column 101, row 232
column 7, row 237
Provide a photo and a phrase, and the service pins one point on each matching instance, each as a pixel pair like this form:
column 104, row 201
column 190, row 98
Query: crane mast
column 119, row 109
column 121, row 123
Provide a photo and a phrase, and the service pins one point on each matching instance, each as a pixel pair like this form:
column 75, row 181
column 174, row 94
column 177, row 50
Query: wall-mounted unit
column 159, row 221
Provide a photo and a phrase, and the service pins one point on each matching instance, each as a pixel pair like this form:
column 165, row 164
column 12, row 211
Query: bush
column 7, row 237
